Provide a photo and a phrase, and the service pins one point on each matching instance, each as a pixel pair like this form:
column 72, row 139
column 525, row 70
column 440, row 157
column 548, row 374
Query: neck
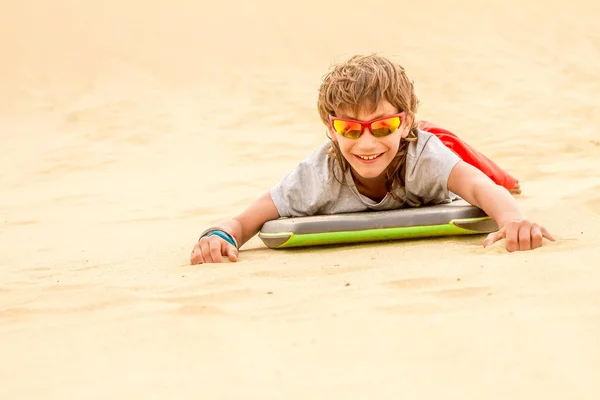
column 374, row 188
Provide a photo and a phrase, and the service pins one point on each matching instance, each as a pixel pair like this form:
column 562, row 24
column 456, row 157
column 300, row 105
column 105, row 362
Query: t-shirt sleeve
column 428, row 167
column 300, row 193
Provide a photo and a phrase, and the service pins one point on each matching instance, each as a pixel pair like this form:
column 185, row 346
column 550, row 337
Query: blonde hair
column 361, row 83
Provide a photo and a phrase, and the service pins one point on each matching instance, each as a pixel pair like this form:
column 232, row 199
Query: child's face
column 356, row 151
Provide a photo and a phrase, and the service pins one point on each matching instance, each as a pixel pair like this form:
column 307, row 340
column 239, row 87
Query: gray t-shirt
column 312, row 189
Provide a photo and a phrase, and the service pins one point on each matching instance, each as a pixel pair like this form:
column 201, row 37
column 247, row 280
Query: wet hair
column 361, row 83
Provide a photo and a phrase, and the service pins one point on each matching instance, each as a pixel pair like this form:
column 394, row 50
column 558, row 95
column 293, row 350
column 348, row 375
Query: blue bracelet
column 222, row 234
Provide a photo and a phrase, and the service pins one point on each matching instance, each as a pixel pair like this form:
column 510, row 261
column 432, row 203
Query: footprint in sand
column 439, row 287
column 423, row 294
column 594, row 204
column 205, row 303
column 199, row 310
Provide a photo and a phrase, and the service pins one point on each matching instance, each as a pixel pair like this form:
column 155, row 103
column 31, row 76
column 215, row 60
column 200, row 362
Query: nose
column 367, row 141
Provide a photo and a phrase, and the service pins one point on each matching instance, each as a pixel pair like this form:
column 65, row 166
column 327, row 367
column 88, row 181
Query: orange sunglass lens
column 385, row 126
column 347, row 129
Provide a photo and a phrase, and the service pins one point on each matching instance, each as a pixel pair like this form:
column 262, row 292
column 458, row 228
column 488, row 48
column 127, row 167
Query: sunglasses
column 379, row 127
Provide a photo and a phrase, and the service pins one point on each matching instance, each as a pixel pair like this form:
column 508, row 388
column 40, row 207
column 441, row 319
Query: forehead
column 367, row 111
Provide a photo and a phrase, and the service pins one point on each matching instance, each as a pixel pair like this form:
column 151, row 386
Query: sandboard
column 456, row 218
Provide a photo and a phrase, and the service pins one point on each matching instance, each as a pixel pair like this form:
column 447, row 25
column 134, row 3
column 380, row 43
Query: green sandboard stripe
column 370, row 235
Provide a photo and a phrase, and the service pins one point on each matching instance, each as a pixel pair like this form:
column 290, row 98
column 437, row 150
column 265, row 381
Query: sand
column 127, row 129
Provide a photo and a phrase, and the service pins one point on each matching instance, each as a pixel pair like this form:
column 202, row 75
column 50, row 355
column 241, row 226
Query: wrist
column 508, row 217
column 224, row 233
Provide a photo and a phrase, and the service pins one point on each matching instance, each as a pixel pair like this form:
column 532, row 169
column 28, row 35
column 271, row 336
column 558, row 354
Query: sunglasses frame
column 366, row 124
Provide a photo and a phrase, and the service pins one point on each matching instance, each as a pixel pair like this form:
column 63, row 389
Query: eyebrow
column 380, row 115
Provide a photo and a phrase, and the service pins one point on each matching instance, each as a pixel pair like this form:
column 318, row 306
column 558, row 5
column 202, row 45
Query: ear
column 406, row 124
column 331, row 134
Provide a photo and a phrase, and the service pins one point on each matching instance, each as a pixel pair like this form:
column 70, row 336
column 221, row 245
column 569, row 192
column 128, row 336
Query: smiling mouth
column 369, row 158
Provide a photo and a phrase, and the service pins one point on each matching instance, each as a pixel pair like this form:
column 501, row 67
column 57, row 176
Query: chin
column 368, row 173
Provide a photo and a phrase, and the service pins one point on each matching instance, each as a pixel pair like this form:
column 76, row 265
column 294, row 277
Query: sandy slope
column 126, row 129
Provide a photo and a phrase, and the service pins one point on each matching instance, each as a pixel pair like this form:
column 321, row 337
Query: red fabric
column 470, row 155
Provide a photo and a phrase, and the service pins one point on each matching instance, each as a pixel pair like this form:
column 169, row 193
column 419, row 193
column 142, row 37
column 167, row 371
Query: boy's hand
column 520, row 235
column 211, row 250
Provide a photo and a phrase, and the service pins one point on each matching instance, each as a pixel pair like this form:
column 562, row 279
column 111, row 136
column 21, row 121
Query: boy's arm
column 243, row 227
column 248, row 223
column 476, row 188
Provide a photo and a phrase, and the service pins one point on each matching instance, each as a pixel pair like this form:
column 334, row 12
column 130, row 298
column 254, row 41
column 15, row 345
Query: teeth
column 369, row 157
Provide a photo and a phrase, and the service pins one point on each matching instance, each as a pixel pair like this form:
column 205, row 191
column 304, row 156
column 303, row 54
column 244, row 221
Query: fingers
column 531, row 236
column 214, row 249
column 547, row 234
column 232, row 253
column 196, row 256
column 512, row 236
column 520, row 235
column 211, row 250
column 200, row 252
column 493, row 238
column 536, row 236
column 524, row 238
